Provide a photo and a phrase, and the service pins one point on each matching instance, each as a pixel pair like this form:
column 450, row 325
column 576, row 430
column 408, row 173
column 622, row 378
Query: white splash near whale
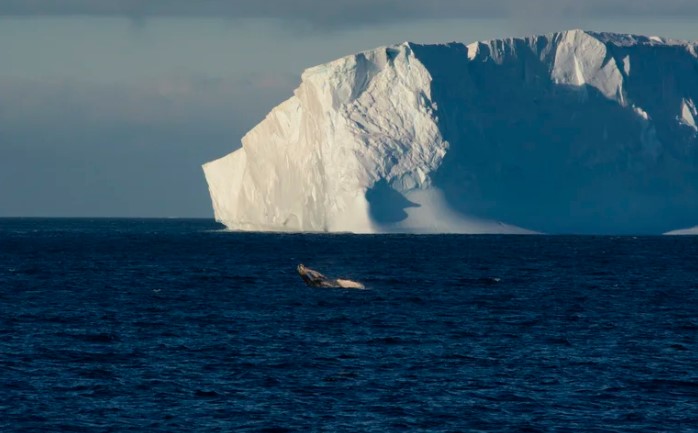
column 569, row 132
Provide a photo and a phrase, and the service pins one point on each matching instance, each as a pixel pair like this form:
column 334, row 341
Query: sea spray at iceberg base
column 572, row 132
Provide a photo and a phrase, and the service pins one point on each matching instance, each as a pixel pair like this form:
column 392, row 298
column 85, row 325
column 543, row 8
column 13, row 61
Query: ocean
column 130, row 325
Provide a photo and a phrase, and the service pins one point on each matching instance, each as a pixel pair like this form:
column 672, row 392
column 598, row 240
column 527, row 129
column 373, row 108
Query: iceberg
column 570, row 132
column 692, row 231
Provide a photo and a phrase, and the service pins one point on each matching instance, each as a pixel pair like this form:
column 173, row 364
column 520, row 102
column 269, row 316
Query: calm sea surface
column 177, row 326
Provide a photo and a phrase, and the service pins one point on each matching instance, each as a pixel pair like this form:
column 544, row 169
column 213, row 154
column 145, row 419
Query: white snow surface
column 689, row 114
column 468, row 139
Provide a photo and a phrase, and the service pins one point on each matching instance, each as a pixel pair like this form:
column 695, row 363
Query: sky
column 109, row 107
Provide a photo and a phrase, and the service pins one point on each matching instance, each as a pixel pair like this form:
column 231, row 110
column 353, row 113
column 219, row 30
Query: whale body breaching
column 314, row 278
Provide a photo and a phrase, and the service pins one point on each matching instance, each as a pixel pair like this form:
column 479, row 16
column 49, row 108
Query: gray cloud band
column 347, row 12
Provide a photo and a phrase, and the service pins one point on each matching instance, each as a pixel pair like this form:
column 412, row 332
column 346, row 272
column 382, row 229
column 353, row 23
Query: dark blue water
column 174, row 325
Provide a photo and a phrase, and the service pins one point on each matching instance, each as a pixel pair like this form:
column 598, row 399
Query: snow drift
column 570, row 132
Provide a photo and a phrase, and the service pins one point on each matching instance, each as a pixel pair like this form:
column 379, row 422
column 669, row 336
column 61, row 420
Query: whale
column 314, row 278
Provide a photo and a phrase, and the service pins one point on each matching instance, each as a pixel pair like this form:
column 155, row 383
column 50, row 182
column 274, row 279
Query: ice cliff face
column 568, row 132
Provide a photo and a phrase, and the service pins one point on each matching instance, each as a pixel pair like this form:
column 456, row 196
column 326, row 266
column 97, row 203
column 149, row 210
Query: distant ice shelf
column 570, row 132
column 688, row 232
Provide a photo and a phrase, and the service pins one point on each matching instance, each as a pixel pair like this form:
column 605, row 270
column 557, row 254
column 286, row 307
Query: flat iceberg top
column 617, row 39
column 626, row 40
column 574, row 131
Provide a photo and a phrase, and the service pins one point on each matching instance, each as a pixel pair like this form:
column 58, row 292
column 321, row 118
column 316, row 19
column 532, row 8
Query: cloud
column 72, row 148
column 341, row 13
column 171, row 103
